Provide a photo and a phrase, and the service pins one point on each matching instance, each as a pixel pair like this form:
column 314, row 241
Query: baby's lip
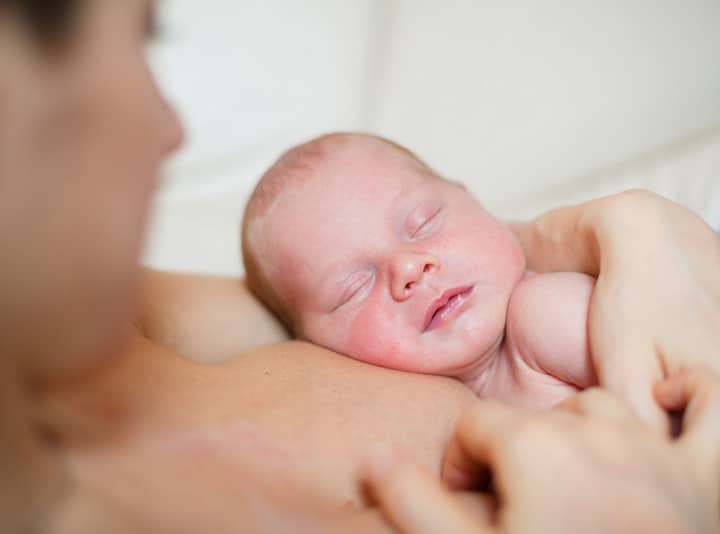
column 441, row 308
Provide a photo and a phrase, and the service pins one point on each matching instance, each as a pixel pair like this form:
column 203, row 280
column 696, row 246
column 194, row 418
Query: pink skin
column 364, row 250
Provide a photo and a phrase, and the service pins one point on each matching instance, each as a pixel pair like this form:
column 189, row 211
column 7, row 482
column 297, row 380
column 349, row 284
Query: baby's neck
column 476, row 374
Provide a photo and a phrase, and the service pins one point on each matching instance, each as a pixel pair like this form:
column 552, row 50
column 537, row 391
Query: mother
column 106, row 428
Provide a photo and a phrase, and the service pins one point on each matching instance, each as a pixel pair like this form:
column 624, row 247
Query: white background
column 530, row 103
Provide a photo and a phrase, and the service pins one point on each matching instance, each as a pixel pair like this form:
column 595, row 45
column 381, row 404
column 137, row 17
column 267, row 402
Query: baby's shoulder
column 539, row 296
column 546, row 325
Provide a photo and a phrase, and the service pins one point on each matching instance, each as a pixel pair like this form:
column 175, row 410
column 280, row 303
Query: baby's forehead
column 339, row 186
column 377, row 167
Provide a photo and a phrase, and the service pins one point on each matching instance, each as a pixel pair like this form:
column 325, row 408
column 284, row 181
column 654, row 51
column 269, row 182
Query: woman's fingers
column 698, row 392
column 597, row 402
column 480, row 507
column 473, row 446
column 629, row 369
column 417, row 503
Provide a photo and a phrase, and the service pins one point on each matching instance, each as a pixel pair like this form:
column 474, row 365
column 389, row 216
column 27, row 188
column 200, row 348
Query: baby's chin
column 468, row 354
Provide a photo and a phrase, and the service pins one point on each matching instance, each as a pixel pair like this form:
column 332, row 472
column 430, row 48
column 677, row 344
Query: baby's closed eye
column 354, row 285
column 423, row 220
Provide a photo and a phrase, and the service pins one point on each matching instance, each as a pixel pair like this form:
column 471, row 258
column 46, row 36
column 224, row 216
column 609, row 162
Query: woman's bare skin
column 285, row 426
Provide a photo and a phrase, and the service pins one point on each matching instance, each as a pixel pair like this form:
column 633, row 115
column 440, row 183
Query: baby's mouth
column 444, row 308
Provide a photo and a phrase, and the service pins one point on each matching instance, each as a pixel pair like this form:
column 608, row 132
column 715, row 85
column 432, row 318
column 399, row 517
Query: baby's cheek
column 368, row 341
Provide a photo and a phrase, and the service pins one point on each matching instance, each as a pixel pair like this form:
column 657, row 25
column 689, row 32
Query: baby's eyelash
column 353, row 290
column 424, row 224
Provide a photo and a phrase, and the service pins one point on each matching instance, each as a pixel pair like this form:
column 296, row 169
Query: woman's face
column 84, row 133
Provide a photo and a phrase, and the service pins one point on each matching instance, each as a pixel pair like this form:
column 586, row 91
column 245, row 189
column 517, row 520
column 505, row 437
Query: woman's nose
column 407, row 270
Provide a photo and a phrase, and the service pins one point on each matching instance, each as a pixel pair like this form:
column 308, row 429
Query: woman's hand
column 656, row 305
column 587, row 466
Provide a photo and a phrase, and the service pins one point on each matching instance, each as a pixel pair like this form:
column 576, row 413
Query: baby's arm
column 547, row 326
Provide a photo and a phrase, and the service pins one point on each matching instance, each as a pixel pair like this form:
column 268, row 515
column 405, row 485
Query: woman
column 106, row 429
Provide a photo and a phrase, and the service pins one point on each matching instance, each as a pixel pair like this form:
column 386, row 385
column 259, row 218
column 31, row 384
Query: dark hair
column 48, row 20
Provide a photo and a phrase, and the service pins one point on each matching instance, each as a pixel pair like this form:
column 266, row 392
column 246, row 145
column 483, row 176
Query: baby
column 360, row 247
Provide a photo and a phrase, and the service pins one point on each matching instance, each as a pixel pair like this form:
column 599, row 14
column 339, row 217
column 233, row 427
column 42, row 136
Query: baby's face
column 390, row 266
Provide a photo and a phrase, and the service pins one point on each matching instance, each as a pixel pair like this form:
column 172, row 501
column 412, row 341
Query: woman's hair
column 49, row 20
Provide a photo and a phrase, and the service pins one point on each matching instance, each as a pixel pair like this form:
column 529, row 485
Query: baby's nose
column 407, row 270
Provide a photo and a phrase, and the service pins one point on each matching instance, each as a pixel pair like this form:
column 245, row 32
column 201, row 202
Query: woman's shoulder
column 292, row 404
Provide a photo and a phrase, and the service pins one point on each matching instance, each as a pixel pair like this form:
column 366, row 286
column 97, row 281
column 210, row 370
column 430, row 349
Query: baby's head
column 360, row 247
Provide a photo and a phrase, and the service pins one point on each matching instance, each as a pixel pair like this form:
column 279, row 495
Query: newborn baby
column 360, row 247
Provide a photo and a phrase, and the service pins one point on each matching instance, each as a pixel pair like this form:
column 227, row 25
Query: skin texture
column 98, row 422
column 229, row 435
